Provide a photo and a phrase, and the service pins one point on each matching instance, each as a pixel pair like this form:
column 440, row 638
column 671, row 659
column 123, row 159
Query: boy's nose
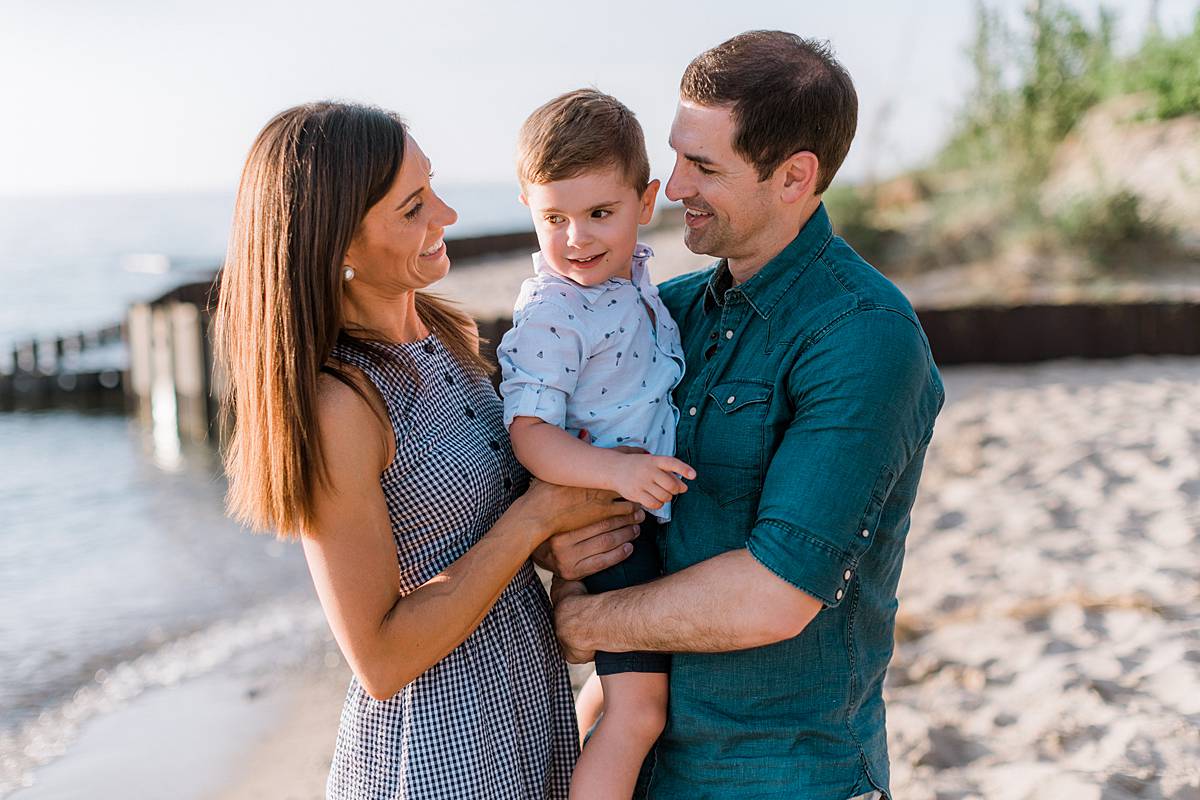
column 577, row 234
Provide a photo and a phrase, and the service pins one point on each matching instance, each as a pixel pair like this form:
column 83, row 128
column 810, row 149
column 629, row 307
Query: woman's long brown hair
column 310, row 178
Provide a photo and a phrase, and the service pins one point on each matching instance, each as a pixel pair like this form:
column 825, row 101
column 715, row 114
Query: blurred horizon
column 170, row 96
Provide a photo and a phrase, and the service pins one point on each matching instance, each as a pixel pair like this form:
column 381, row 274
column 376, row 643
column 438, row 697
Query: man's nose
column 676, row 189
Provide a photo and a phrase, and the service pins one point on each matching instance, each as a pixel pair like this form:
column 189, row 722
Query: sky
column 130, row 96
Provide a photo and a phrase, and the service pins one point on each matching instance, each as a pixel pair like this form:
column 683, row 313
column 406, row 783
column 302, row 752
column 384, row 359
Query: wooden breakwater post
column 1027, row 334
column 170, row 381
column 81, row 370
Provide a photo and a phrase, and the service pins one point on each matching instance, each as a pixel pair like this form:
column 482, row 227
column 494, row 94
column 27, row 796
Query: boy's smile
column 587, row 225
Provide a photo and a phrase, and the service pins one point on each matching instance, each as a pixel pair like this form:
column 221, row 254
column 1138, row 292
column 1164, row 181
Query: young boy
column 594, row 350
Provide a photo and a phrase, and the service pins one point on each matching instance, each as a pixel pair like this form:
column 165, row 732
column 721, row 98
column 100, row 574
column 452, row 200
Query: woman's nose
column 448, row 215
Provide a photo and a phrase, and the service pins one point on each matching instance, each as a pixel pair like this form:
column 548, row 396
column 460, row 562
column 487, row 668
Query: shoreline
column 1047, row 641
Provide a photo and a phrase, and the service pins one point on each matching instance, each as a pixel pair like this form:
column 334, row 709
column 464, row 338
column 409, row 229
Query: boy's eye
column 412, row 213
column 601, row 213
column 554, row 219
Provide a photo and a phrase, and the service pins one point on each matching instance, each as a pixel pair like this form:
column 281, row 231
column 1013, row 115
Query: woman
column 364, row 423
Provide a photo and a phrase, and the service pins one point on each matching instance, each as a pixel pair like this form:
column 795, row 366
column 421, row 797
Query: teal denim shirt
column 806, row 409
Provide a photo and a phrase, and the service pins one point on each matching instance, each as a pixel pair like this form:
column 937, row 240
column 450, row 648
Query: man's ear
column 646, row 213
column 800, row 172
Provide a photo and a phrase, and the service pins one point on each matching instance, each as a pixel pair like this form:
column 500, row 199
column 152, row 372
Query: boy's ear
column 523, row 199
column 648, row 198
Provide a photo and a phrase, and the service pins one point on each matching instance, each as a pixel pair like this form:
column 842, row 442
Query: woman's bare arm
column 389, row 640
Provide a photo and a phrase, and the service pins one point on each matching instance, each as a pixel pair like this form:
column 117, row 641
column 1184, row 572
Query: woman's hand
column 554, row 509
column 574, row 555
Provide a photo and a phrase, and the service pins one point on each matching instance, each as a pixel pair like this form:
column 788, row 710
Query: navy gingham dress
column 494, row 719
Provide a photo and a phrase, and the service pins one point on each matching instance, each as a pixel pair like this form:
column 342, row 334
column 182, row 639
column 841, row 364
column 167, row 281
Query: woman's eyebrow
column 406, row 200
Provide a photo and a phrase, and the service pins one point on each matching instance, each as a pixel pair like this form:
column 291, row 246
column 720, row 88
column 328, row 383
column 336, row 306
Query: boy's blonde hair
column 578, row 132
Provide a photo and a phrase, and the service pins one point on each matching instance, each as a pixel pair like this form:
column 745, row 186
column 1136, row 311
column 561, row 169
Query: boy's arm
column 555, row 456
column 855, row 432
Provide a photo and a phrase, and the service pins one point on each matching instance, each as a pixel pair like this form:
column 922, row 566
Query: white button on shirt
column 589, row 357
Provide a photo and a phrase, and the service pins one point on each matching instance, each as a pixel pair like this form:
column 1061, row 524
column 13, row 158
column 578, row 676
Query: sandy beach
column 1048, row 641
column 1049, row 636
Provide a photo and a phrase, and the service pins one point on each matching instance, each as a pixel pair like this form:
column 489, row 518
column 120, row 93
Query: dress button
column 729, row 400
column 846, row 575
column 449, row 379
column 840, row 594
column 728, row 334
column 494, row 444
column 470, row 412
column 866, row 533
column 508, row 483
column 429, row 348
column 692, row 411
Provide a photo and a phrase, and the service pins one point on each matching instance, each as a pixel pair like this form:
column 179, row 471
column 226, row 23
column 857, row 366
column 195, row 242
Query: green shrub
column 1170, row 70
column 1114, row 228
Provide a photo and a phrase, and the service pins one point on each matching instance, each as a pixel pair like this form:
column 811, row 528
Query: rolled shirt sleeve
column 862, row 399
column 540, row 359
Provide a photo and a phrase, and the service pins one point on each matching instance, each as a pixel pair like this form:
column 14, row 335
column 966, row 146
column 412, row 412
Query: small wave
column 46, row 737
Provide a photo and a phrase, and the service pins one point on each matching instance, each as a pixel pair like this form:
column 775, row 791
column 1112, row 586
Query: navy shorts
column 641, row 566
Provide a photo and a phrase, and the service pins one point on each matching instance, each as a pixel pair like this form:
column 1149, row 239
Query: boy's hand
column 650, row 480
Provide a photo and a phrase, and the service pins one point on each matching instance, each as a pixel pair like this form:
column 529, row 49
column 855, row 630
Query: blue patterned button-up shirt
column 594, row 358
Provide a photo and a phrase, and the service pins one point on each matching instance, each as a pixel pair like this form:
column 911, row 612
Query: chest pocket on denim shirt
column 730, row 440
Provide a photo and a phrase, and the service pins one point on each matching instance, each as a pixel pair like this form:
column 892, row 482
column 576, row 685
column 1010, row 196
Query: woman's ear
column 649, row 196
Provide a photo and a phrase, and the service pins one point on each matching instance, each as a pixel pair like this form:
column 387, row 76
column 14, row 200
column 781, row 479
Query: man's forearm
column 729, row 602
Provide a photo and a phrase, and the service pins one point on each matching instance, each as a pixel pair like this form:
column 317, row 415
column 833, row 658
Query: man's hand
column 565, row 595
column 573, row 555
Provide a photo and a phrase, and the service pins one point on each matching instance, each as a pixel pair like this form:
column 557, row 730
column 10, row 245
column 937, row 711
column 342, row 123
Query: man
column 806, row 409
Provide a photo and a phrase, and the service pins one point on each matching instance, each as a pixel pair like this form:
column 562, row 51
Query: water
column 74, row 263
column 117, row 576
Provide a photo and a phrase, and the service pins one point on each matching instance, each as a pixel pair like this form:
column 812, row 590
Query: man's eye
column 705, row 170
column 412, row 213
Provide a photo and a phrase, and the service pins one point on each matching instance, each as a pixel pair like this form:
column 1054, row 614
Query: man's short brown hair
column 578, row 132
column 787, row 94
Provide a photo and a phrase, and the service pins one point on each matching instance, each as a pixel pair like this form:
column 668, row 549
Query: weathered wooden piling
column 49, row 372
column 170, row 363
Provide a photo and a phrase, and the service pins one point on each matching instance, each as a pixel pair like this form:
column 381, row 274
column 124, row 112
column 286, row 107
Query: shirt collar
column 641, row 275
column 766, row 288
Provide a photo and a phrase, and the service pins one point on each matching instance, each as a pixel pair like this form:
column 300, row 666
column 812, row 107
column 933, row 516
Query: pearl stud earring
column 348, row 274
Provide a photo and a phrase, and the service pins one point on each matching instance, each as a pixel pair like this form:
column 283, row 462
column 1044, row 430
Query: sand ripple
column 1049, row 637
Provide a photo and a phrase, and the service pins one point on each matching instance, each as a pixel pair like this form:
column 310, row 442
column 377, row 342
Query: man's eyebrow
column 695, row 159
